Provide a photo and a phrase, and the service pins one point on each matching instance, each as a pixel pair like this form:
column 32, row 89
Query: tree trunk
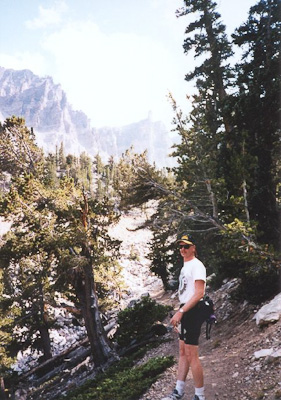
column 46, row 342
column 212, row 198
column 85, row 291
column 43, row 326
column 245, row 196
column 2, row 389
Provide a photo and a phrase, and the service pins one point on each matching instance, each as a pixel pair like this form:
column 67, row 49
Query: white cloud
column 48, row 16
column 35, row 62
column 114, row 78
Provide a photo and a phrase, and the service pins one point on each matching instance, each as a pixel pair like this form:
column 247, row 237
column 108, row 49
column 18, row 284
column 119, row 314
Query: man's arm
column 197, row 296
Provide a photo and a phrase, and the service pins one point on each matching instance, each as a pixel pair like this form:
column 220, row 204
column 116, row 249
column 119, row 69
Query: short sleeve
column 199, row 272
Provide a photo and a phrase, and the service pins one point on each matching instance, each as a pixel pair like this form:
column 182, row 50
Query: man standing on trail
column 187, row 320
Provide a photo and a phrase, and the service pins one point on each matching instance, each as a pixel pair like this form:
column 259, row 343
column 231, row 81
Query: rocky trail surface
column 235, row 361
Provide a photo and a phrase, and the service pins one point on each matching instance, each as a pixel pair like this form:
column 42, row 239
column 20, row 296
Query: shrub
column 123, row 381
column 135, row 322
column 258, row 283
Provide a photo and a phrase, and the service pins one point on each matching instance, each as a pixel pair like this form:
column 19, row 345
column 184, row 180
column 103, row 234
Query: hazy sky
column 115, row 59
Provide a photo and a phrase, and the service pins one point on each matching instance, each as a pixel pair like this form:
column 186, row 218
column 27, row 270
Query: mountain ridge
column 45, row 107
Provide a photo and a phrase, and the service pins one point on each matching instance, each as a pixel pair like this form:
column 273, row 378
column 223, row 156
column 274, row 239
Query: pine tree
column 27, row 266
column 82, row 231
column 6, row 360
column 212, row 128
column 58, row 237
column 86, row 171
column 18, row 150
column 257, row 111
column 213, row 75
column 50, row 171
column 133, row 178
column 61, row 157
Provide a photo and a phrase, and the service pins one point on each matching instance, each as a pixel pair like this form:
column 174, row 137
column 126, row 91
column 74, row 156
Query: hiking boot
column 174, row 395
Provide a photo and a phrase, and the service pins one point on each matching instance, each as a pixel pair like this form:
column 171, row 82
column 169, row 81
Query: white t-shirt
column 191, row 271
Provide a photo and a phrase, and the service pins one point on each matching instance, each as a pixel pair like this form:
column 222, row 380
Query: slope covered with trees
column 57, row 240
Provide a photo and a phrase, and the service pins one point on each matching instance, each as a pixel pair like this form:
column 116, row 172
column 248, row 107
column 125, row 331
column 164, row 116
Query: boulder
column 263, row 353
column 270, row 312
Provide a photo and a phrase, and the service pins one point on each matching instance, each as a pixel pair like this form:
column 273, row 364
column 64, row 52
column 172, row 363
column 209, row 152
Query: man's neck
column 189, row 258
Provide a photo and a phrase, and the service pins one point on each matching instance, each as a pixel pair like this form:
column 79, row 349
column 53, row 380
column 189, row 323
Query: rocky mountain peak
column 45, row 108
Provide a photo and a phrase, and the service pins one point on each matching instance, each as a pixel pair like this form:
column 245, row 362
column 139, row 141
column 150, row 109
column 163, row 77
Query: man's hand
column 176, row 319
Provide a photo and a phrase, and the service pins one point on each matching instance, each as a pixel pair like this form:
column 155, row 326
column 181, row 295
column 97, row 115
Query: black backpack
column 207, row 311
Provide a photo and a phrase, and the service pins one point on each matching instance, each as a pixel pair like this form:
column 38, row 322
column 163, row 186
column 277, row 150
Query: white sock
column 180, row 387
column 200, row 393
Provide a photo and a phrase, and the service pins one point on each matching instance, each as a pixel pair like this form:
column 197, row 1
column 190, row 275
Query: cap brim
column 184, row 241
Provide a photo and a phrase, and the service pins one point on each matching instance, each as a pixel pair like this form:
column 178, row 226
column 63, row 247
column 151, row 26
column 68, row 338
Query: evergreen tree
column 61, row 157
column 99, row 166
column 211, row 126
column 27, row 266
column 57, row 239
column 18, row 150
column 86, row 171
column 135, row 178
column 6, row 360
column 206, row 35
column 72, row 167
column 58, row 236
column 50, row 171
column 99, row 171
column 257, row 111
column 84, row 245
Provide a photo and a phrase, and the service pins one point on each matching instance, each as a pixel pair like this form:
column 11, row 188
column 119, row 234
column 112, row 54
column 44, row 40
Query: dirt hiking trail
column 230, row 368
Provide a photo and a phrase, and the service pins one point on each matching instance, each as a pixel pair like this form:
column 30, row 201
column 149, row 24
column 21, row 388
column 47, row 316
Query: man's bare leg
column 184, row 362
column 192, row 356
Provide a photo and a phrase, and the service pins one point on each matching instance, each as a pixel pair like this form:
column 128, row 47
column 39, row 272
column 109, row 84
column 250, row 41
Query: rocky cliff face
column 45, row 108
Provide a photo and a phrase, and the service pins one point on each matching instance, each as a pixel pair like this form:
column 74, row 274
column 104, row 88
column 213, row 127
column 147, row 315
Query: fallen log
column 52, row 362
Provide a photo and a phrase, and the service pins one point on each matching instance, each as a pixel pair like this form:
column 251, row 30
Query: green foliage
column 136, row 322
column 123, row 381
column 61, row 160
column 109, row 284
column 5, row 336
column 259, row 282
column 208, row 37
column 58, row 236
column 165, row 261
column 18, row 151
column 239, row 256
column 58, row 166
column 50, row 171
column 133, row 178
column 256, row 112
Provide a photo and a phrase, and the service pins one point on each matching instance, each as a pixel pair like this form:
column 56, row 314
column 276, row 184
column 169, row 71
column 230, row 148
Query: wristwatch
column 181, row 310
